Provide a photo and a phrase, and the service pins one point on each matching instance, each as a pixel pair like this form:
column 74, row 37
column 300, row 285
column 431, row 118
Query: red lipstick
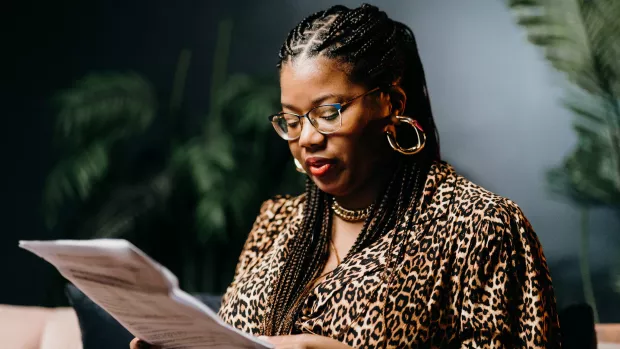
column 319, row 166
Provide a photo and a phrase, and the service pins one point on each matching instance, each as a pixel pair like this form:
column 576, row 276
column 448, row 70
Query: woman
column 388, row 247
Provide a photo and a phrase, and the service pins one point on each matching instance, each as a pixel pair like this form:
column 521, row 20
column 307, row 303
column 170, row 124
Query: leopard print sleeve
column 257, row 242
column 508, row 297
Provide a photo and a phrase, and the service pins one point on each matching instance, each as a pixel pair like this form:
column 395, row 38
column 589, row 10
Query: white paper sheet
column 140, row 294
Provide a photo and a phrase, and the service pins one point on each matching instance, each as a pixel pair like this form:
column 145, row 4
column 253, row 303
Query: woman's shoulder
column 476, row 216
column 281, row 206
column 481, row 199
column 471, row 201
column 277, row 213
column 274, row 216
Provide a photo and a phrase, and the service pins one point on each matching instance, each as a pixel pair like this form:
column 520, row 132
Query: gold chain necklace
column 351, row 215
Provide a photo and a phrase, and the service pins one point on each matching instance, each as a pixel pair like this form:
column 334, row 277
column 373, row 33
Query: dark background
column 496, row 102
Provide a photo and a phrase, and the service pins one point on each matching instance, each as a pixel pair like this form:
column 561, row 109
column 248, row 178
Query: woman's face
column 353, row 157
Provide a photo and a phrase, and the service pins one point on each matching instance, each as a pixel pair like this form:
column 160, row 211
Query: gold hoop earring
column 298, row 166
column 391, row 136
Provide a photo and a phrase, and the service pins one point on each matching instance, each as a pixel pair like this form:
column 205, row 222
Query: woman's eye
column 330, row 116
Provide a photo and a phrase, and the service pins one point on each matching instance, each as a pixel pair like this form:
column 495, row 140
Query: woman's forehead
column 304, row 79
column 312, row 71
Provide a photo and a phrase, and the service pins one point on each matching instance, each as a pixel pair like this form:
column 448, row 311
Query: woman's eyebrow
column 323, row 98
column 316, row 101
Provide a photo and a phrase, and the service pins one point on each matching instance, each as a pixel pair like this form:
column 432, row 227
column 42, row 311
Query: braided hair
column 378, row 52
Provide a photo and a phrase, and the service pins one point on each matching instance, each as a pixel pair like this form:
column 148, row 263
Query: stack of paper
column 140, row 294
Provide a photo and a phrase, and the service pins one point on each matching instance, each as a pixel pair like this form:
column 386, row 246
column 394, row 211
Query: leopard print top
column 472, row 275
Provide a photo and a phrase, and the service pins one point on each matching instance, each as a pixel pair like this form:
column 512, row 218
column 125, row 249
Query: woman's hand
column 305, row 341
column 138, row 344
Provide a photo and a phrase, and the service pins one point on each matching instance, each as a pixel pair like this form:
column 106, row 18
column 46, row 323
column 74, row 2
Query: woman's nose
column 310, row 137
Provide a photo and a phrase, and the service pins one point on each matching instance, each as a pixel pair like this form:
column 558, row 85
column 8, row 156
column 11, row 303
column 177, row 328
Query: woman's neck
column 367, row 193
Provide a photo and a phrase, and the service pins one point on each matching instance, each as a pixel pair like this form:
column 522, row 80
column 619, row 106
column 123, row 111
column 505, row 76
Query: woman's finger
column 287, row 342
column 136, row 343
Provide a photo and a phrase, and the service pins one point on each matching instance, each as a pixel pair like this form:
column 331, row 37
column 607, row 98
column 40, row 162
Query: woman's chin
column 331, row 187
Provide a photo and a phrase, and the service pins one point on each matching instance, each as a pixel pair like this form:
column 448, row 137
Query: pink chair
column 39, row 328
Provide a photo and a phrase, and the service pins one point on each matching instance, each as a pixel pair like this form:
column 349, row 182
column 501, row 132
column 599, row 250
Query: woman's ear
column 398, row 98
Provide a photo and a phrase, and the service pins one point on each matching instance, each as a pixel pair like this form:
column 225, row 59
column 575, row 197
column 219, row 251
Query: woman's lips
column 320, row 170
column 319, row 166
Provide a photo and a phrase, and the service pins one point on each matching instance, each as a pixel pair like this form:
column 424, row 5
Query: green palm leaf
column 590, row 173
column 581, row 38
column 94, row 114
column 246, row 102
column 229, row 164
column 104, row 108
column 206, row 164
column 74, row 177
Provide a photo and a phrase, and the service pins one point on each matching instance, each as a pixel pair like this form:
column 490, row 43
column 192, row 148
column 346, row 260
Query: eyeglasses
column 325, row 118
